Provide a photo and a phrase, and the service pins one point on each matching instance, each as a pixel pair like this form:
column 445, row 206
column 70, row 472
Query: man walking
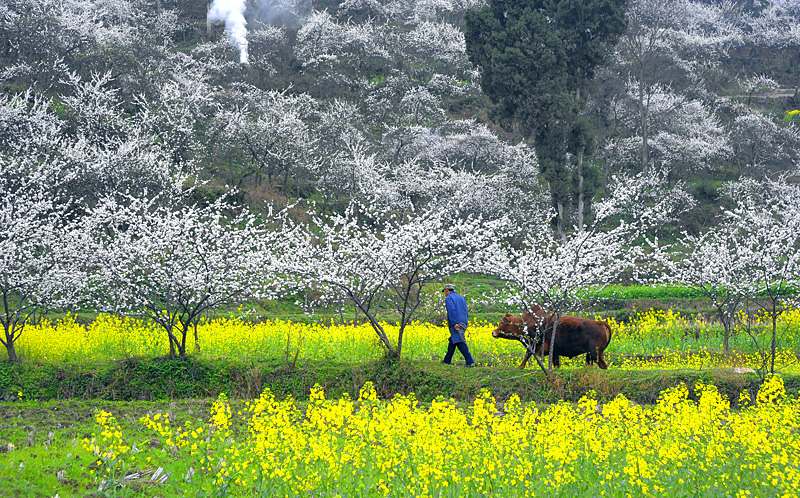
column 457, row 319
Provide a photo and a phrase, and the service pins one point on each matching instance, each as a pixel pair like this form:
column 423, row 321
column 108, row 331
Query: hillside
column 178, row 159
column 378, row 101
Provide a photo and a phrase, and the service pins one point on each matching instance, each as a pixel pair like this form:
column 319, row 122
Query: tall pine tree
column 537, row 58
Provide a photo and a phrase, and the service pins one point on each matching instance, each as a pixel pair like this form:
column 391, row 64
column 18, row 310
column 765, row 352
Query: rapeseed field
column 653, row 339
column 681, row 446
column 693, row 441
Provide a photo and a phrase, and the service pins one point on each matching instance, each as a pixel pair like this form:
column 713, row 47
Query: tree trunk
column 400, row 337
column 12, row 352
column 390, row 351
column 726, row 325
column 774, row 345
column 560, row 222
column 182, row 345
column 726, row 337
column 643, row 123
column 553, row 343
column 580, row 190
column 196, row 340
column 539, row 362
column 9, row 342
column 208, row 22
column 171, row 339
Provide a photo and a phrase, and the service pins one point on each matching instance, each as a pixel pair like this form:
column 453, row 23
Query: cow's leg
column 525, row 361
column 591, row 357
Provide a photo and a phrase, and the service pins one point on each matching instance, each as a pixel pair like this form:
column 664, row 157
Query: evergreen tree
column 536, row 58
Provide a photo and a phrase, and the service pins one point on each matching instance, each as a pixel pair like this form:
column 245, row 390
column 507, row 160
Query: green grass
column 659, row 292
column 160, row 379
column 48, row 457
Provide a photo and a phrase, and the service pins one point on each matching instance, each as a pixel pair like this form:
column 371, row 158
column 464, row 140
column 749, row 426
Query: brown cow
column 575, row 336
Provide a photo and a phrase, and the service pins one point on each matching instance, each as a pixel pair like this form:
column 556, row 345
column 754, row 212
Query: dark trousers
column 462, row 347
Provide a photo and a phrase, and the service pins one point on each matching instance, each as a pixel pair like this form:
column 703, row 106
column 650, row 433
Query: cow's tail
column 601, row 358
column 608, row 332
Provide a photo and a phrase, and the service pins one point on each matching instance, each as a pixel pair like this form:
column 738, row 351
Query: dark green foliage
column 523, row 61
column 587, row 29
column 536, row 57
column 535, row 54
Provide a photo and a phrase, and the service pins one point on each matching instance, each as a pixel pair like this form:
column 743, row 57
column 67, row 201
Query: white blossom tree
column 460, row 165
column 28, row 127
column 270, row 129
column 685, row 134
column 558, row 274
column 40, row 259
column 768, row 225
column 361, row 9
column 115, row 153
column 417, row 11
column 715, row 265
column 776, row 27
column 269, row 50
column 756, row 83
column 762, row 146
column 352, row 173
column 680, row 133
column 40, row 246
column 174, row 112
column 661, row 60
column 439, row 46
column 172, row 263
column 380, row 261
column 339, row 55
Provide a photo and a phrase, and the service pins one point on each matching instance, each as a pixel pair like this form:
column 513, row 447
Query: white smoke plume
column 232, row 13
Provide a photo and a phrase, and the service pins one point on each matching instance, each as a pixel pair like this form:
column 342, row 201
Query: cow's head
column 510, row 327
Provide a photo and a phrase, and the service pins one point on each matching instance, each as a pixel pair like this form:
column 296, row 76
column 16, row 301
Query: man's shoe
column 471, row 365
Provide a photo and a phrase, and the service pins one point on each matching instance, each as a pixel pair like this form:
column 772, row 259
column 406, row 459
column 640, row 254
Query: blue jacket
column 456, row 313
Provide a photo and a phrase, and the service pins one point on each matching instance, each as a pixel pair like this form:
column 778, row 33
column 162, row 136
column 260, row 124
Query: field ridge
column 153, row 379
